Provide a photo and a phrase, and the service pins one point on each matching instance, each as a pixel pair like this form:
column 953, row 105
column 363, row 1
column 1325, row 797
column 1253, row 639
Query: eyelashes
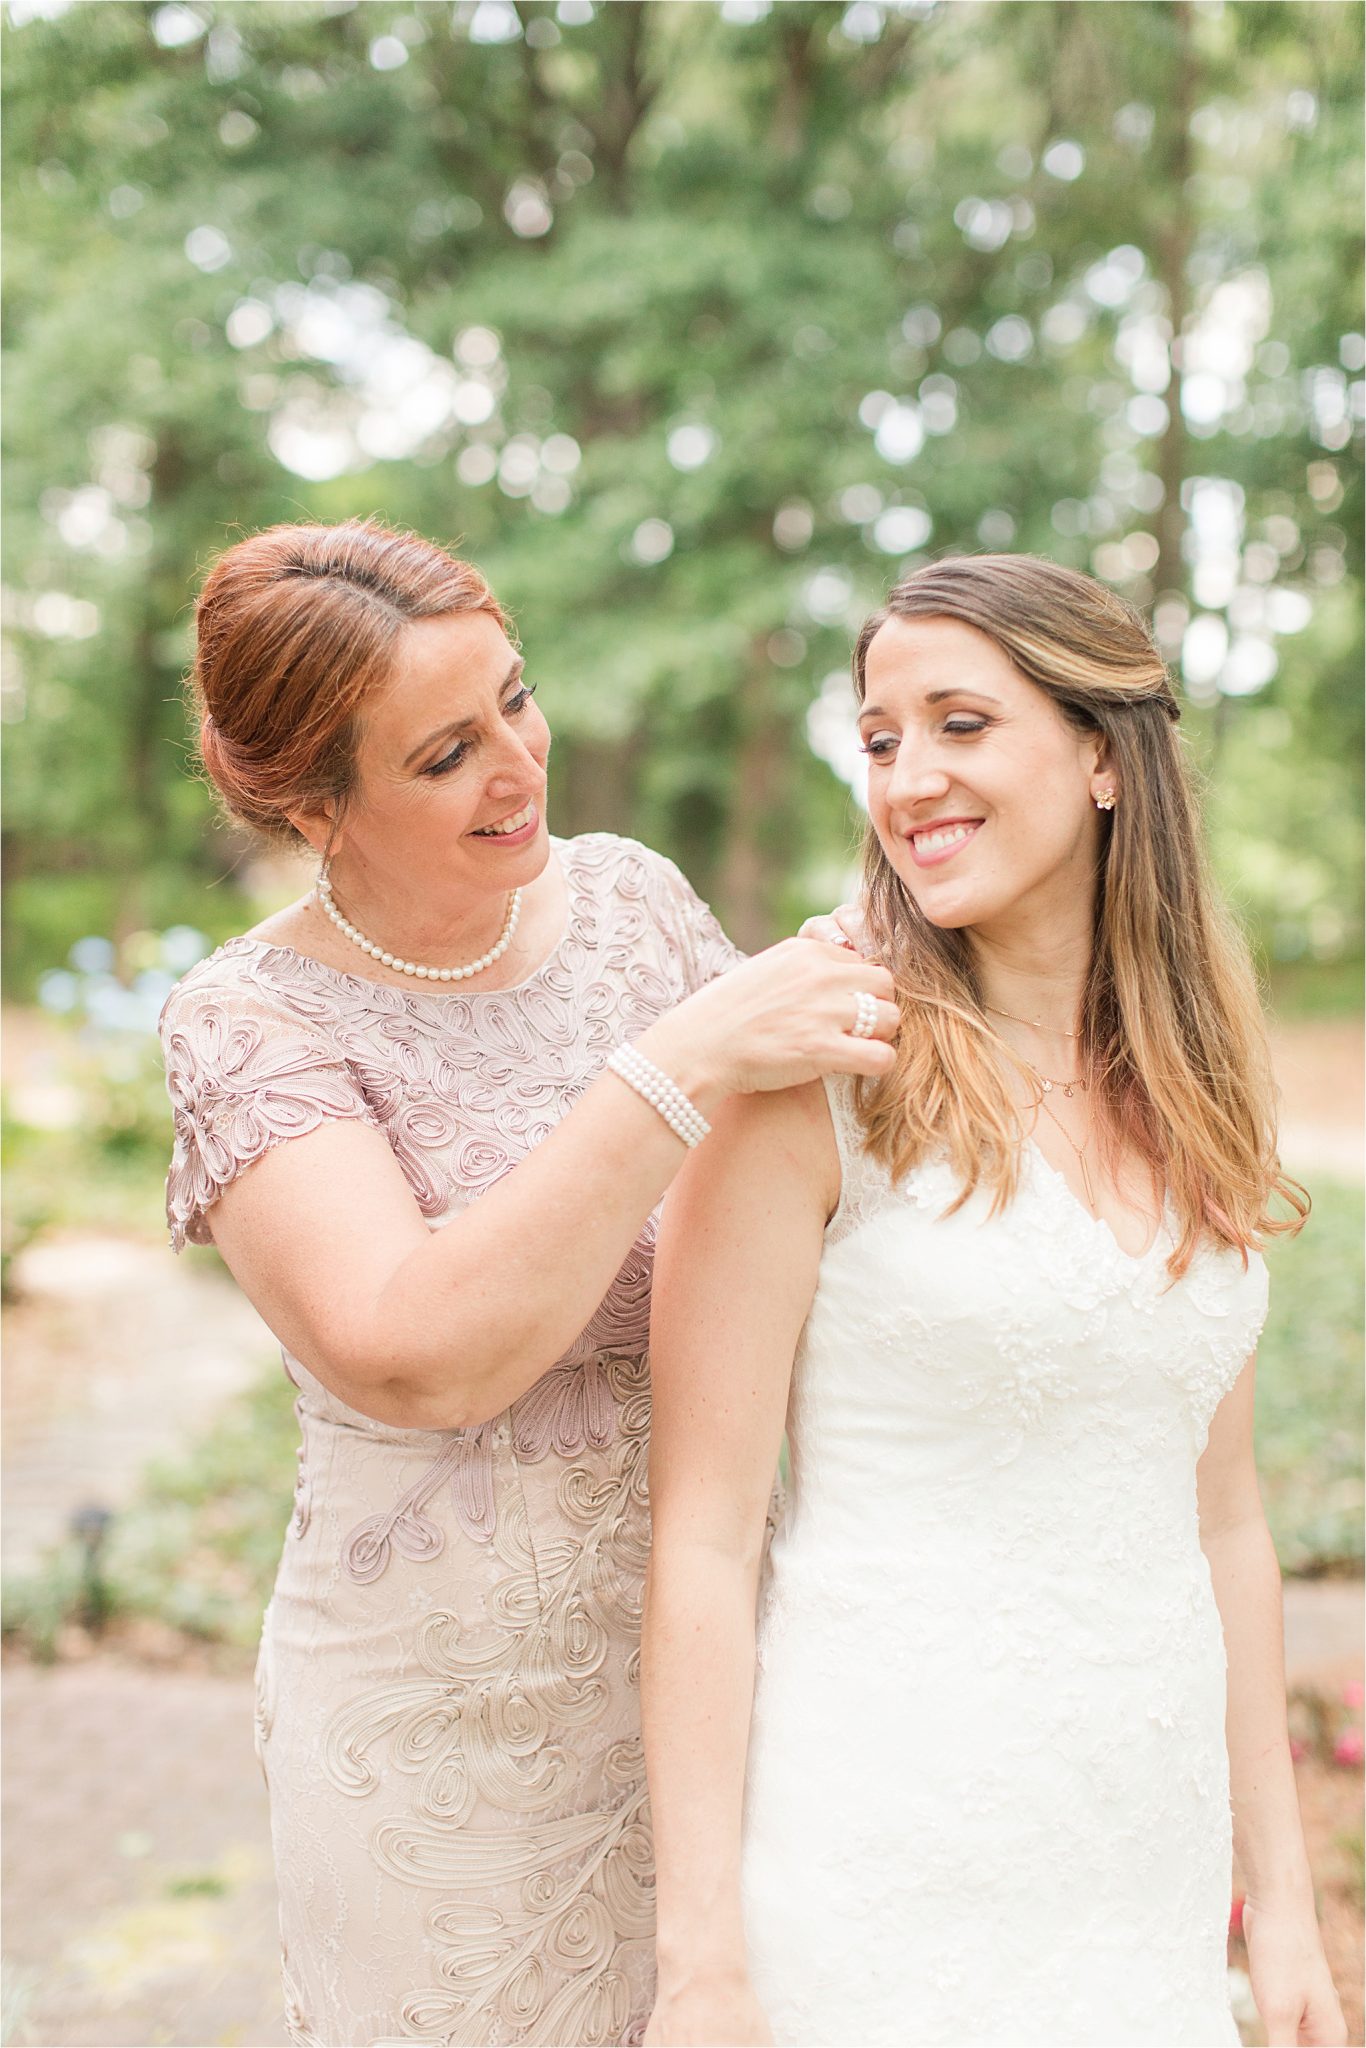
column 882, row 746
column 514, row 705
column 448, row 761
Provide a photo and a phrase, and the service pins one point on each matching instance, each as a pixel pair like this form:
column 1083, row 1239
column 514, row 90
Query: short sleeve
column 243, row 1073
column 703, row 947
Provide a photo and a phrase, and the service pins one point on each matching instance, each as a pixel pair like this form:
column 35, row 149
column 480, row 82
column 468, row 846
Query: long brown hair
column 294, row 629
column 1172, row 1037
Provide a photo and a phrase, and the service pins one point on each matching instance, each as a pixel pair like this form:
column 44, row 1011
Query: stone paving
column 139, row 1905
column 138, row 1900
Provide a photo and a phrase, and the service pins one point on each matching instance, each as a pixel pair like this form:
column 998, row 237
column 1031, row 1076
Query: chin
column 945, row 908
column 947, row 917
column 534, row 857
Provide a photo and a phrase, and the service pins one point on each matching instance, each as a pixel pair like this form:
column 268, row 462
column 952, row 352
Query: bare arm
column 442, row 1329
column 734, row 1278
column 1290, row 1978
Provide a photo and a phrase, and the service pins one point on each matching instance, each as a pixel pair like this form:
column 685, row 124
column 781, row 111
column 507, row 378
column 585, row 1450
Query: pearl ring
column 865, row 1023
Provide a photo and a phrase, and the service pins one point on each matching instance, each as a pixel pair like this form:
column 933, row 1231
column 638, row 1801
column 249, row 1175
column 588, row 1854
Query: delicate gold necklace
column 1080, row 1150
column 1031, row 1024
column 1048, row 1083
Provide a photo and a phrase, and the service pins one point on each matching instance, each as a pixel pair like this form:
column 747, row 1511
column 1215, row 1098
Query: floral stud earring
column 1106, row 800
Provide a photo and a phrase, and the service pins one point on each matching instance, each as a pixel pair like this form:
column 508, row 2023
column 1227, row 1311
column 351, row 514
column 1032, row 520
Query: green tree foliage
column 693, row 324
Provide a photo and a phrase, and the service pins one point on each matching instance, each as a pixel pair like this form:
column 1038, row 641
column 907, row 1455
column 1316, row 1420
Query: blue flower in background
column 92, row 956
column 91, row 991
column 182, row 948
column 109, row 1006
column 59, row 991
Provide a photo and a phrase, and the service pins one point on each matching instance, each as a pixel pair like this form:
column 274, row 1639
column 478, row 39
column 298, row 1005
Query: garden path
column 139, row 1905
column 1322, row 1076
column 115, row 1354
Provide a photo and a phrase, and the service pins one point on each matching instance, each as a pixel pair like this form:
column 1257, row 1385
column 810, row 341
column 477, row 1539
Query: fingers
column 887, row 1023
column 870, row 1056
column 860, row 973
column 1323, row 2023
column 850, row 920
column 1322, row 2028
column 827, row 929
column 843, row 926
column 1282, row 2023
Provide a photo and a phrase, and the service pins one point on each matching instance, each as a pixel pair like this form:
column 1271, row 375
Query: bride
column 1019, row 1678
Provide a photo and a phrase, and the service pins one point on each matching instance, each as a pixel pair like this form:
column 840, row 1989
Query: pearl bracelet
column 683, row 1117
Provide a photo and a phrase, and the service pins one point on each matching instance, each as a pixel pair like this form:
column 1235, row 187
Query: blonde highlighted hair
column 1172, row 1037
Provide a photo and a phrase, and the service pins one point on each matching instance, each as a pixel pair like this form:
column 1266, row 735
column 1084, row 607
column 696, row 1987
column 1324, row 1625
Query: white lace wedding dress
column 988, row 1787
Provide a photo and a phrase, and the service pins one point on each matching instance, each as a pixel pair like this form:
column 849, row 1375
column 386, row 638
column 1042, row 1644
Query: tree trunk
column 626, row 96
column 595, row 785
column 753, row 855
column 1173, row 248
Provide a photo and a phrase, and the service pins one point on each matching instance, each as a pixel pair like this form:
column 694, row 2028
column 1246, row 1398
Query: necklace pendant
column 1067, row 1090
column 1048, row 1085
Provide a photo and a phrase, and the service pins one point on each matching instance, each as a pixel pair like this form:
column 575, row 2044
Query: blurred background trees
column 693, row 325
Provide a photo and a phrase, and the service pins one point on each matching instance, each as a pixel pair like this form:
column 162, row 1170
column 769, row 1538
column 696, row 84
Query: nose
column 519, row 764
column 917, row 778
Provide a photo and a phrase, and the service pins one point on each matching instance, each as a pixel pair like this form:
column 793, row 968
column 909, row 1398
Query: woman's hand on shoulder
column 709, row 2012
column 786, row 1016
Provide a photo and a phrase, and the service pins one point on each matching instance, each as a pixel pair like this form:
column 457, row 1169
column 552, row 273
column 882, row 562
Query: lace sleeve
column 242, row 1075
column 705, row 950
column 861, row 1181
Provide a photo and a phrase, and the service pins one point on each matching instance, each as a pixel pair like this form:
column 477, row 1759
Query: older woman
column 426, row 1114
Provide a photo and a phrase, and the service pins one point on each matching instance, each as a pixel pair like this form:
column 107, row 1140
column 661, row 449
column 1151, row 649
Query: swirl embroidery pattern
column 449, row 1677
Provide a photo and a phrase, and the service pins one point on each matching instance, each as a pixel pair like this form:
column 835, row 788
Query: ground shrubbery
column 1309, row 1444
column 193, row 1556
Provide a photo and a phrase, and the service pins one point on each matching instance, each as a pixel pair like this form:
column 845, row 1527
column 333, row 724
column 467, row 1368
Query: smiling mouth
column 935, row 843
column 506, row 827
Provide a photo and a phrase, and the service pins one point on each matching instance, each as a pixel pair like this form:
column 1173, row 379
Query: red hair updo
column 294, row 629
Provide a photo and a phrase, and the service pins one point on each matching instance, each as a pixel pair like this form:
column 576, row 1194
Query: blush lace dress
column 448, row 1702
column 987, row 1798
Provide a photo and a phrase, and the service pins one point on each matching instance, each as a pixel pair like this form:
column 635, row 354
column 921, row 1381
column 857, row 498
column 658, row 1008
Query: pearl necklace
column 323, row 892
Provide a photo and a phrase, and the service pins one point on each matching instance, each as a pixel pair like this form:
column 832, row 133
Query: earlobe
column 320, row 828
column 1104, row 781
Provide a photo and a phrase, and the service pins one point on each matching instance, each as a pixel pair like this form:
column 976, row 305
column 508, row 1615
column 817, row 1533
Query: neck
column 1036, row 978
column 413, row 928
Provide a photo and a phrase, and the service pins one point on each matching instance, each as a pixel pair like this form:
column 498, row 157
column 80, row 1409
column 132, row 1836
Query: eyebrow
column 938, row 697
column 446, row 732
